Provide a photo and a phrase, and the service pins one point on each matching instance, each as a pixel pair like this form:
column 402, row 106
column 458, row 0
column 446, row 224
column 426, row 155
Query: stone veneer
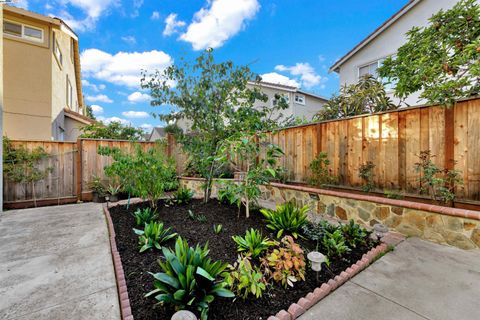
column 453, row 226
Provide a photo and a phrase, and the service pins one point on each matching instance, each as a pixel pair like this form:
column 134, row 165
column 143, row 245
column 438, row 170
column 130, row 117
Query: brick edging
column 125, row 309
column 303, row 304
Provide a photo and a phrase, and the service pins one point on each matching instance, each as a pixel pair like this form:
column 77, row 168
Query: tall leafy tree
column 442, row 59
column 216, row 100
column 114, row 130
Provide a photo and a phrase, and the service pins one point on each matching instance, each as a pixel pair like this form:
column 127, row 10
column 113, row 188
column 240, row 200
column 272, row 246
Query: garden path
column 418, row 280
column 55, row 263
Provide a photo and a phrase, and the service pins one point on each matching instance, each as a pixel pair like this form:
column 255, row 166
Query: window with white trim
column 371, row 69
column 69, row 93
column 23, row 31
column 56, row 50
column 299, row 99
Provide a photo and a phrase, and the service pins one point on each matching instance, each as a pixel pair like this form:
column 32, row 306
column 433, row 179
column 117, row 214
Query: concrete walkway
column 55, row 264
column 419, row 280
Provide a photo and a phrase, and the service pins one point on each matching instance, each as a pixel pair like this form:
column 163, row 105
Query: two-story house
column 41, row 73
column 368, row 55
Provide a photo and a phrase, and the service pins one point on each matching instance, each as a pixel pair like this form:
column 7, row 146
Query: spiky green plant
column 288, row 218
column 145, row 215
column 253, row 243
column 153, row 235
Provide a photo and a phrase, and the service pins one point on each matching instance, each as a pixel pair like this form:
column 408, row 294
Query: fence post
column 79, row 170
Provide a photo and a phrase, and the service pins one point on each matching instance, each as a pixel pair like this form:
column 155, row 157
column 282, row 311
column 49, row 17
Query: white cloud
column 94, row 87
column 125, row 122
column 122, row 68
column 137, row 4
column 219, row 21
column 96, row 109
column 146, row 126
column 308, row 77
column 135, row 114
column 155, row 15
column 20, row 4
column 172, row 24
column 98, row 98
column 274, row 77
column 139, row 97
column 93, row 10
column 131, row 40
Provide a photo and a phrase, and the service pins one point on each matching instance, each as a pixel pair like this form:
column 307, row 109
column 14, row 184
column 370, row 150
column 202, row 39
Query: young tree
column 218, row 102
column 114, row 130
column 441, row 59
column 89, row 112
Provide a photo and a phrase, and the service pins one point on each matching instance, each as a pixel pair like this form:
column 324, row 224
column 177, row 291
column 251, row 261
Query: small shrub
column 244, row 279
column 153, row 235
column 197, row 217
column 354, row 234
column 316, row 231
column 97, row 186
column 285, row 264
column 392, row 194
column 288, row 218
column 334, row 244
column 228, row 194
column 254, row 244
column 145, row 215
column 217, row 228
column 189, row 278
column 319, row 170
column 182, row 196
column 365, row 172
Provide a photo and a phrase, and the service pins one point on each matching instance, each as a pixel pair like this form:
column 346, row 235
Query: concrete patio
column 419, row 280
column 55, row 263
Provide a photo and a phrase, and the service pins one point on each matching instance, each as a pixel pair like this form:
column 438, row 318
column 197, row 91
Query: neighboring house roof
column 374, row 34
column 158, row 130
column 286, row 88
column 77, row 116
column 65, row 28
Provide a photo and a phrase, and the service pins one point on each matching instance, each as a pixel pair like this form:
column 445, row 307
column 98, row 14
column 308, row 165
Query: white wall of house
column 387, row 42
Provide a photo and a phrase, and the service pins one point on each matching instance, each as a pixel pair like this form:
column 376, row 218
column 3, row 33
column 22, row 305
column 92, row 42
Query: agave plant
column 145, row 215
column 189, row 278
column 288, row 218
column 253, row 243
column 182, row 196
column 153, row 235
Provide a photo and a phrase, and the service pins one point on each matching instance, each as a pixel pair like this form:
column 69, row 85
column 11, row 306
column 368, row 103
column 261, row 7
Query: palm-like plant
column 153, row 235
column 145, row 215
column 288, row 218
column 253, row 243
column 189, row 278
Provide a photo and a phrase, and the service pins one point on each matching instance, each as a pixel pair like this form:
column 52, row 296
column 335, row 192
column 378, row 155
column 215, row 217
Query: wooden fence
column 73, row 165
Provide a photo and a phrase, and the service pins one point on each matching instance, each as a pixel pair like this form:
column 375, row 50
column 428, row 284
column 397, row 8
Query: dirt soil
column 137, row 265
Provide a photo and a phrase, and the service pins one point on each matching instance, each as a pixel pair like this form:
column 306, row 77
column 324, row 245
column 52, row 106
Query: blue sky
column 287, row 41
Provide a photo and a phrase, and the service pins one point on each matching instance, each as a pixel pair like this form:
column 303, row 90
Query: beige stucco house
column 368, row 55
column 41, row 72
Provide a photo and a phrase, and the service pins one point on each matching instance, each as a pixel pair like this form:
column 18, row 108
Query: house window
column 72, row 49
column 280, row 96
column 69, row 94
column 57, row 51
column 299, row 99
column 370, row 69
column 23, row 31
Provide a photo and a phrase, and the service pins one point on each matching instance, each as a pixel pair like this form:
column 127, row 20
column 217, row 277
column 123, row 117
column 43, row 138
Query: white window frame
column 69, row 94
column 378, row 62
column 301, row 97
column 388, row 88
column 56, row 46
column 23, row 36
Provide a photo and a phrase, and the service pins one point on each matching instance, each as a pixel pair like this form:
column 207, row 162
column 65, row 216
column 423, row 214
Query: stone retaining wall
column 453, row 226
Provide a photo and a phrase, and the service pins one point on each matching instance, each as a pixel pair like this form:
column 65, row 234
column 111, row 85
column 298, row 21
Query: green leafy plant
column 365, row 172
column 153, row 235
column 334, row 244
column 114, row 189
column 113, row 130
column 227, row 193
column 97, row 186
column 189, row 278
column 145, row 215
column 316, row 231
column 354, row 234
column 217, row 228
column 182, row 196
column 285, row 264
column 245, row 279
column 253, row 243
column 319, row 170
column 393, row 194
column 439, row 60
column 287, row 218
column 196, row 217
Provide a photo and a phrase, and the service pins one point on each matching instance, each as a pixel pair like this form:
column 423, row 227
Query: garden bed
column 137, row 265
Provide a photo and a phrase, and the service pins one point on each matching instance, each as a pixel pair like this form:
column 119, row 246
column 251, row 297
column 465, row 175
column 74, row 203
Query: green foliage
column 393, row 194
column 334, row 244
column 245, row 152
column 285, row 264
column 441, row 59
column 146, row 174
column 365, row 172
column 89, row 112
column 189, row 278
column 114, row 189
column 439, row 183
column 253, row 243
column 114, row 130
column 245, row 279
column 354, row 234
column 227, row 193
column 197, row 217
column 316, row 231
column 153, row 235
column 145, row 215
column 217, row 228
column 366, row 96
column 287, row 218
column 205, row 94
column 319, row 170
column 97, row 186
column 182, row 196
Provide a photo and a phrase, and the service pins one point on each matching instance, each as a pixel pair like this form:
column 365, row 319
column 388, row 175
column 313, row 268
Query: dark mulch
column 137, row 265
